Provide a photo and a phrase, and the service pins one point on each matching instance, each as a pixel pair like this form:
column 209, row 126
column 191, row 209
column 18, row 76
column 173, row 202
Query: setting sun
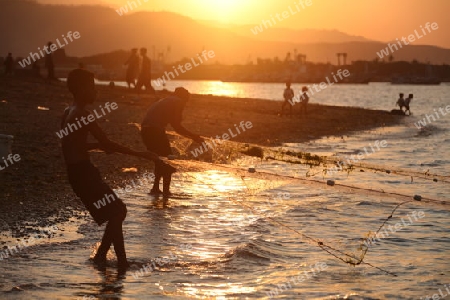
column 217, row 10
column 223, row 9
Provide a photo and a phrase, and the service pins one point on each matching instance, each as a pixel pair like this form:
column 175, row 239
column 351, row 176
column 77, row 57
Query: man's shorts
column 155, row 139
column 98, row 198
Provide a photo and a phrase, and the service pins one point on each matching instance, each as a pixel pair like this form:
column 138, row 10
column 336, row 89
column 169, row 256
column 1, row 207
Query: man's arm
column 176, row 124
column 184, row 132
column 109, row 146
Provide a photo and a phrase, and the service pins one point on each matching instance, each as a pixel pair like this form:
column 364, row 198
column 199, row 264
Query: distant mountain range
column 27, row 26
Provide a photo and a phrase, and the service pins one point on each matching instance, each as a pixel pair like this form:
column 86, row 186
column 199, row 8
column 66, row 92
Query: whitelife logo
column 27, row 242
column 355, row 158
column 371, row 240
column 321, row 86
column 411, row 38
column 427, row 120
column 169, row 75
column 49, row 49
column 11, row 159
column 86, row 120
column 124, row 9
column 219, row 139
column 265, row 24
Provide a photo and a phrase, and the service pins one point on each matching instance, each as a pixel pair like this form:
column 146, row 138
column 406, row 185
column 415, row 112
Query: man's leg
column 100, row 256
column 158, row 175
column 138, row 85
column 150, row 139
column 115, row 225
column 150, row 88
column 113, row 235
column 165, row 171
column 167, row 178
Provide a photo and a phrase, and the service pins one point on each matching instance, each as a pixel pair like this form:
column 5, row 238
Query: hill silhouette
column 31, row 25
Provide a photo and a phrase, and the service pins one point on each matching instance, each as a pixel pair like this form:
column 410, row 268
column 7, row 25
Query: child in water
column 407, row 102
column 401, row 101
column 83, row 176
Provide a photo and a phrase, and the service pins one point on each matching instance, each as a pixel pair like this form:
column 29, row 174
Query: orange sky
column 382, row 20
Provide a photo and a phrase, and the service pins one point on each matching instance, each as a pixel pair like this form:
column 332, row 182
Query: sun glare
column 221, row 10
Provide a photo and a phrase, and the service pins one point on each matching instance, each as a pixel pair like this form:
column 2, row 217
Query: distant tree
column 391, row 58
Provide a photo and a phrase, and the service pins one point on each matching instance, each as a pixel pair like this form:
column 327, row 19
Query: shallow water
column 234, row 237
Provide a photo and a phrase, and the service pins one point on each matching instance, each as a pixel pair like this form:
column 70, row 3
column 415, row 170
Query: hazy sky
column 382, row 20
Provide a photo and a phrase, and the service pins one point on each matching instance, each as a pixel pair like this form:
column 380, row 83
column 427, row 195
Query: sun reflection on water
column 226, row 89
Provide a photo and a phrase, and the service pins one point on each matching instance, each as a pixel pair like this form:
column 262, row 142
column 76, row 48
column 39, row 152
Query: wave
column 249, row 251
column 428, row 130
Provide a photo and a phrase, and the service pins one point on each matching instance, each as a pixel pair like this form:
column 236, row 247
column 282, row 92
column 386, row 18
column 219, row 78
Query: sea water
column 257, row 237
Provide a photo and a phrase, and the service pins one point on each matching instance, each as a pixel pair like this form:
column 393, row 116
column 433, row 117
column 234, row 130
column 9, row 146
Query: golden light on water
column 227, row 89
column 218, row 181
column 220, row 291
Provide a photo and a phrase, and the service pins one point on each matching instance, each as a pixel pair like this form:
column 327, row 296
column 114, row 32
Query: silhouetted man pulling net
column 166, row 111
column 84, row 177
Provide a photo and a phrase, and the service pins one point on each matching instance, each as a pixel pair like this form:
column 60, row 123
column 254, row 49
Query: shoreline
column 36, row 187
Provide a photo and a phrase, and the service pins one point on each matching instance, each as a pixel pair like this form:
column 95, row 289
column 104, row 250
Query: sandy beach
column 36, row 187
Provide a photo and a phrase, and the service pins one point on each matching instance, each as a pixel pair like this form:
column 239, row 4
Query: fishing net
column 243, row 160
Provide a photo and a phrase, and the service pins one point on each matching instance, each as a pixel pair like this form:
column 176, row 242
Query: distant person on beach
column 133, row 68
column 401, row 101
column 288, row 95
column 144, row 78
column 407, row 102
column 9, row 64
column 84, row 177
column 163, row 112
column 49, row 64
column 304, row 101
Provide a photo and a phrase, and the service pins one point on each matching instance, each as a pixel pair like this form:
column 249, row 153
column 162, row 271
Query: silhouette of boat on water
column 416, row 80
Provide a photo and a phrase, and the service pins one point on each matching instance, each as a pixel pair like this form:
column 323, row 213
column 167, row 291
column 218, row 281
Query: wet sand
column 36, row 187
